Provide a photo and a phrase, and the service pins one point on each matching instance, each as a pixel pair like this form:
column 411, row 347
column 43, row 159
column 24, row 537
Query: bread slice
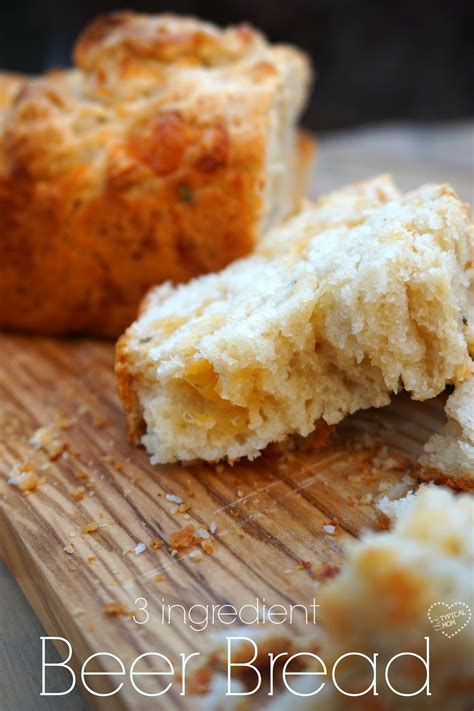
column 449, row 455
column 390, row 588
column 165, row 153
column 358, row 296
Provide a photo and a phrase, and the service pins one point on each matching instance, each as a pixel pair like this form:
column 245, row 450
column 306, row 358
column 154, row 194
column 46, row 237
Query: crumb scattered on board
column 24, row 478
column 114, row 609
column 190, row 539
column 91, row 527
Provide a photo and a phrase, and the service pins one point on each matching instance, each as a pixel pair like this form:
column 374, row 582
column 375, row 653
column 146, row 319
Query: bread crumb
column 90, row 527
column 24, row 478
column 183, row 538
column 64, row 423
column 156, row 544
column 46, row 438
column 393, row 507
column 331, row 528
column 77, row 494
column 326, row 572
column 303, row 565
column 69, row 549
column 114, row 608
column 184, row 508
column 81, row 475
column 207, row 546
column 114, row 463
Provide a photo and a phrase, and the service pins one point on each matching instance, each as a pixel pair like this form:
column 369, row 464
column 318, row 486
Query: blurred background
column 375, row 60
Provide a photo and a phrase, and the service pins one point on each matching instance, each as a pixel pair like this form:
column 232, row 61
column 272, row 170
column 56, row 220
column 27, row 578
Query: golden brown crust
column 306, row 150
column 123, row 52
column 462, row 482
column 9, row 85
column 120, row 175
column 127, row 392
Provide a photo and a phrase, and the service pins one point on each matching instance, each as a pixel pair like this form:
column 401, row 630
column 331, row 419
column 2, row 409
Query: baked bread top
column 128, row 68
column 356, row 297
column 125, row 55
column 163, row 154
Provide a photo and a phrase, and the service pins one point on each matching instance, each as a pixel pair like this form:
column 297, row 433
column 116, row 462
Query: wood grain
column 269, row 514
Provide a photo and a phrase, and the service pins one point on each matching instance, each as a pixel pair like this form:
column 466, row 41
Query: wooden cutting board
column 270, row 515
column 270, row 541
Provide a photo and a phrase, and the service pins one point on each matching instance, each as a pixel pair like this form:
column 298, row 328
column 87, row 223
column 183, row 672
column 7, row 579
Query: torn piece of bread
column 390, row 579
column 362, row 294
column 390, row 595
column 393, row 583
column 449, row 455
column 164, row 154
